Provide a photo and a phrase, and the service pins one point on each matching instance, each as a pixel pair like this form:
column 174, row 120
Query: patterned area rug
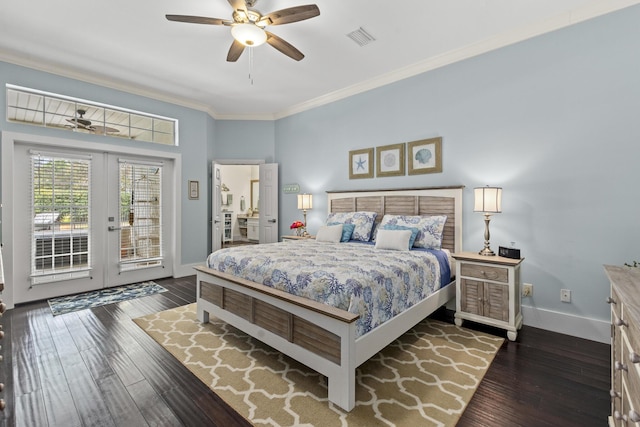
column 91, row 299
column 425, row 378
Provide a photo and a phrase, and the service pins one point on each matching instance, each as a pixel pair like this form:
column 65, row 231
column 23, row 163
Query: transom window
column 34, row 107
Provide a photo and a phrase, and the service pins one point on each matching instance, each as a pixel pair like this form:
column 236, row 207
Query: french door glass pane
column 140, row 213
column 60, row 211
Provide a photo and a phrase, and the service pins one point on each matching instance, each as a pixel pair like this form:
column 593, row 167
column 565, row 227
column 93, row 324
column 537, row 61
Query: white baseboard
column 569, row 324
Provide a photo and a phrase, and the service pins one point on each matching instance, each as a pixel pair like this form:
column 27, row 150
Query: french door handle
column 271, row 220
column 114, row 228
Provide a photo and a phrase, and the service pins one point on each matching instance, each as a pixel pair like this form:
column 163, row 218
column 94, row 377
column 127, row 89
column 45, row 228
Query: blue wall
column 553, row 120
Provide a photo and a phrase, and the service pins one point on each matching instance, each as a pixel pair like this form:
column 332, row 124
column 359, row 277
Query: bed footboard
column 319, row 336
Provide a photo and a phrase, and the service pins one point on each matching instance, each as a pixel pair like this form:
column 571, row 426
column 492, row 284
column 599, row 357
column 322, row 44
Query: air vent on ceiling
column 361, row 37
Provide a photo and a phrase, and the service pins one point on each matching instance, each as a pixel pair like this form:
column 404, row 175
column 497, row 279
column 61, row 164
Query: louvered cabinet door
column 496, row 301
column 488, row 291
column 471, row 296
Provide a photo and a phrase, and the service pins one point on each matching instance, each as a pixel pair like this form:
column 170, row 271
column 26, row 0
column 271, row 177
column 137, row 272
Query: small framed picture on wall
column 390, row 160
column 361, row 163
column 425, row 156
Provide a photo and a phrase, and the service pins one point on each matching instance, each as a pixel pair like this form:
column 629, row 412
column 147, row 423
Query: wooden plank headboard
column 422, row 201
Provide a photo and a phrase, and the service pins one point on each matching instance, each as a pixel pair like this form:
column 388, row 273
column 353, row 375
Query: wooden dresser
column 625, row 345
column 3, row 307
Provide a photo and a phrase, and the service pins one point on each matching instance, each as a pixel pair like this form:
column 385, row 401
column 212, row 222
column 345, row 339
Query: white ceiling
column 129, row 45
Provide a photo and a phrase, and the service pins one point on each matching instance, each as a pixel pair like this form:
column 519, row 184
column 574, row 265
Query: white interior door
column 268, row 203
column 64, row 201
column 216, row 208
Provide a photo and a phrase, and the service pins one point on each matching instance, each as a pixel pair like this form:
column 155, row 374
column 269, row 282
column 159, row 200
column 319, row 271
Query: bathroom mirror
column 255, row 194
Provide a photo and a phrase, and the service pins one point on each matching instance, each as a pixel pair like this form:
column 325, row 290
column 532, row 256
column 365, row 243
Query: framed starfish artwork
column 361, row 163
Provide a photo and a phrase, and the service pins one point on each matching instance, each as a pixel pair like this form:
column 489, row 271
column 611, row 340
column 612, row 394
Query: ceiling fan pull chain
column 251, row 65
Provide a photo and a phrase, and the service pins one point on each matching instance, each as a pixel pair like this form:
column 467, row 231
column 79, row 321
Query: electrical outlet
column 565, row 295
column 527, row 290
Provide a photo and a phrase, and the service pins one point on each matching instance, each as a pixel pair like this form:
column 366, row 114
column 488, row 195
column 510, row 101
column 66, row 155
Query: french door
column 89, row 220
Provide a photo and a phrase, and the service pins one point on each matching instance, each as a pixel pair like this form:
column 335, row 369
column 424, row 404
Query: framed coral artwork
column 361, row 163
column 390, row 160
column 425, row 156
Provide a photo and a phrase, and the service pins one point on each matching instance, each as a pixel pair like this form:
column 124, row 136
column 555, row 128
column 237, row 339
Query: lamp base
column 487, row 252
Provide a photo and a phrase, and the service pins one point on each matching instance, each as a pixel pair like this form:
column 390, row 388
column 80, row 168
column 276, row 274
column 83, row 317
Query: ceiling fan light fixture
column 249, row 34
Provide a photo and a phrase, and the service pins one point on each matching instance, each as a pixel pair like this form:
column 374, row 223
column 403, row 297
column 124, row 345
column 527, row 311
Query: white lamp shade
column 305, row 201
column 488, row 199
column 249, row 34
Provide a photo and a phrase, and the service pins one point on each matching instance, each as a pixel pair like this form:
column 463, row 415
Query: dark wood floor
column 97, row 368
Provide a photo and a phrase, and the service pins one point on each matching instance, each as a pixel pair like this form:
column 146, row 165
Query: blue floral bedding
column 376, row 284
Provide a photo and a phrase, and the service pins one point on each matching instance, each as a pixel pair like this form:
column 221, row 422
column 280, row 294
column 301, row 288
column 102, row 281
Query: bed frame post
column 342, row 384
column 203, row 316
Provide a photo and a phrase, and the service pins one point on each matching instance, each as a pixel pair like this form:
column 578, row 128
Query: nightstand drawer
column 485, row 272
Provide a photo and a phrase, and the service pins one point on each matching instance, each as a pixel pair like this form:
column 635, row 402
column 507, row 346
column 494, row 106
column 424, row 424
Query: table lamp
column 305, row 202
column 488, row 200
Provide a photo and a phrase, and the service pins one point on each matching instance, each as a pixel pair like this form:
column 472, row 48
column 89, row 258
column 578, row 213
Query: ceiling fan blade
column 199, row 20
column 80, row 123
column 283, row 46
column 291, row 14
column 102, row 130
column 235, row 51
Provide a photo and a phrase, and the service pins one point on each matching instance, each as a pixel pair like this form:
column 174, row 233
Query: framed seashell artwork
column 425, row 156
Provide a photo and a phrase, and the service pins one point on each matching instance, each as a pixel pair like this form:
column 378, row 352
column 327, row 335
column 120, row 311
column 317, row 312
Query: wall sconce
column 488, row 200
column 305, row 202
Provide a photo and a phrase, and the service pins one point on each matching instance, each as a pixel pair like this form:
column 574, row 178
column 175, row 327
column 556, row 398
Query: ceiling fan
column 82, row 123
column 248, row 26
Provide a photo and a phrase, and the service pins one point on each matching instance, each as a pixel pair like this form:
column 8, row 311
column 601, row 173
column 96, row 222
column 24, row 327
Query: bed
column 331, row 339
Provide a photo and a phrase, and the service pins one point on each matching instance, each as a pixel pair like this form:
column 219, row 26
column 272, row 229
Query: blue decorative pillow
column 347, row 230
column 363, row 222
column 414, row 231
column 430, row 228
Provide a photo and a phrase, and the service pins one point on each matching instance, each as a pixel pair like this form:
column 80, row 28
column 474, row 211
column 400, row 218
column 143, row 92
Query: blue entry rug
column 62, row 305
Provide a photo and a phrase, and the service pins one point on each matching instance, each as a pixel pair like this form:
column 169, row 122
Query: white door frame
column 9, row 139
column 269, row 226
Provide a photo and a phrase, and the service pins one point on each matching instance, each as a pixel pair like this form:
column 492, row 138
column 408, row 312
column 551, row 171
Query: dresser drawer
column 485, row 272
column 632, row 329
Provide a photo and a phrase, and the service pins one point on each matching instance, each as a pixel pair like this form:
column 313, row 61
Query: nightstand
column 488, row 291
column 291, row 238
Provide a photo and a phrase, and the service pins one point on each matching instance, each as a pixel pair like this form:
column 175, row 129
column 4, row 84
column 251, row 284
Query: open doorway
column 239, row 201
column 248, row 195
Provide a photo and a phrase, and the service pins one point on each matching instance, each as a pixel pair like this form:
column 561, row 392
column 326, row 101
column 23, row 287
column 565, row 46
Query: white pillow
column 396, row 240
column 329, row 233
